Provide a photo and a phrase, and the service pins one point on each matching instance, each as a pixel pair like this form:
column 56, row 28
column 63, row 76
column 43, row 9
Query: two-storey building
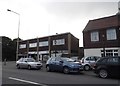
column 101, row 37
column 55, row 45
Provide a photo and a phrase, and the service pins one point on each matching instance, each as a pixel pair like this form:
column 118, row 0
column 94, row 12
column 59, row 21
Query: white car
column 88, row 62
column 28, row 63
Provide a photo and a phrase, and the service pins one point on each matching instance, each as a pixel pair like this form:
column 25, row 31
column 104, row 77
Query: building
column 101, row 37
column 55, row 45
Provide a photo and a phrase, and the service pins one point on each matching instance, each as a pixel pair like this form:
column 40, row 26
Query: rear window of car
column 113, row 60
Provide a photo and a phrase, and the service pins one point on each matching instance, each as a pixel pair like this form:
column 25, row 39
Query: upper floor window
column 94, row 36
column 22, row 46
column 44, row 43
column 111, row 34
column 33, row 45
column 59, row 42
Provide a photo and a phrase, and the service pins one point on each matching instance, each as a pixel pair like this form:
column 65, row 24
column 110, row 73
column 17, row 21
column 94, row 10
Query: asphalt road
column 12, row 76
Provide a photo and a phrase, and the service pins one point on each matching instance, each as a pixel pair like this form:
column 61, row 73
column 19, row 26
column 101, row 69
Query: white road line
column 30, row 82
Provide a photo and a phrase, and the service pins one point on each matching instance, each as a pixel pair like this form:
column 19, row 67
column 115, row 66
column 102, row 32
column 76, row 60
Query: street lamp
column 103, row 36
column 18, row 31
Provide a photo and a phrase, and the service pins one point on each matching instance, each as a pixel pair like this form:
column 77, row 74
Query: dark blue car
column 65, row 65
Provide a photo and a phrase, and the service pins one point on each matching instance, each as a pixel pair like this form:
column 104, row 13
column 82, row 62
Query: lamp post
column 18, row 32
column 55, row 47
column 103, row 45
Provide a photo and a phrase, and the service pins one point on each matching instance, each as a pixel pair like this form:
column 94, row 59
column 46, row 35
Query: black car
column 107, row 66
column 65, row 65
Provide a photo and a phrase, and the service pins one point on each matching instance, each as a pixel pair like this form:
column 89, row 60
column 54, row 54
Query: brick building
column 55, row 45
column 101, row 37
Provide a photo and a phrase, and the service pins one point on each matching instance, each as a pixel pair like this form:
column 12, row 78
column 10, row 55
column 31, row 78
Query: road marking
column 30, row 82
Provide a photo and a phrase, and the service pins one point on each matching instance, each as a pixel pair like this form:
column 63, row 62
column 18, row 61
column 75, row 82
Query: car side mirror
column 25, row 61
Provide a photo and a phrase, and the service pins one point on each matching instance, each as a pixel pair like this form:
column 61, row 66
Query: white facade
column 98, row 52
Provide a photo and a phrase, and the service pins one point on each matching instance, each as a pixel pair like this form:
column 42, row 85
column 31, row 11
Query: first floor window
column 43, row 43
column 59, row 42
column 22, row 46
column 94, row 36
column 111, row 34
column 32, row 45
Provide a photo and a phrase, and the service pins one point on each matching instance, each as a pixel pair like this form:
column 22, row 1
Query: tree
column 7, row 49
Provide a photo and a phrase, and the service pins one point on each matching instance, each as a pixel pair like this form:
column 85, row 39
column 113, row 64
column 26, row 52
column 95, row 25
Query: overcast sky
column 40, row 18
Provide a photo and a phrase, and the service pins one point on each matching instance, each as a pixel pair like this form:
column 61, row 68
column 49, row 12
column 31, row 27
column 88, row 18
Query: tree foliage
column 9, row 48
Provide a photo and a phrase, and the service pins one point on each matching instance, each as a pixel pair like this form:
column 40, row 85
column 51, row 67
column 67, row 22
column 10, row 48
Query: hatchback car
column 89, row 61
column 107, row 66
column 28, row 63
column 65, row 65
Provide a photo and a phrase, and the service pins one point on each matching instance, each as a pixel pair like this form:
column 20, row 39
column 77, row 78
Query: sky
column 39, row 18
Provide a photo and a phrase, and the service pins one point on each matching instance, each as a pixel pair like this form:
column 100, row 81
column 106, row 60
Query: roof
column 102, row 23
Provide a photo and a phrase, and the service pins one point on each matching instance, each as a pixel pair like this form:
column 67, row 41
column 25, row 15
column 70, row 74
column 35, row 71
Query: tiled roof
column 102, row 23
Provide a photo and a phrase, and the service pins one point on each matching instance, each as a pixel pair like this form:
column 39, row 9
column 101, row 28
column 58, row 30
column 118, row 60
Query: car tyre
column 29, row 67
column 18, row 66
column 86, row 67
column 48, row 69
column 66, row 70
column 103, row 73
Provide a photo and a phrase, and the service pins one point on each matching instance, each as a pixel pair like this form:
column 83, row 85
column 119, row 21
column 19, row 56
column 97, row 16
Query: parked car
column 28, row 63
column 65, row 65
column 107, row 66
column 88, row 62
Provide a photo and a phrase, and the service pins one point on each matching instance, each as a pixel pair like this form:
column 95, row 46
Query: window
column 94, row 36
column 103, row 60
column 113, row 60
column 44, row 43
column 59, row 42
column 110, row 52
column 111, row 34
column 88, row 58
column 33, row 45
column 22, row 46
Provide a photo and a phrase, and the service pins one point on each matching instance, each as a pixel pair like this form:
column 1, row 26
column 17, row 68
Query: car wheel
column 86, row 67
column 66, row 70
column 103, row 73
column 48, row 69
column 29, row 67
column 18, row 66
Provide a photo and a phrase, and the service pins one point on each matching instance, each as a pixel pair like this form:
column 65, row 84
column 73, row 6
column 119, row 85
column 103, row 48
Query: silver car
column 89, row 61
column 28, row 63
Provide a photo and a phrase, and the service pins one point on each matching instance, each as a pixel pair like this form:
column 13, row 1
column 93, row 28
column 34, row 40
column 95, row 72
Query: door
column 113, row 65
column 58, row 64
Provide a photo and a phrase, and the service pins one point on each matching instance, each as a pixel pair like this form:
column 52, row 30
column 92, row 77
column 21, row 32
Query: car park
column 107, row 67
column 88, row 62
column 62, row 64
column 28, row 63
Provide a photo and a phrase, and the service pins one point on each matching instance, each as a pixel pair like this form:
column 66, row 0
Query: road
column 13, row 76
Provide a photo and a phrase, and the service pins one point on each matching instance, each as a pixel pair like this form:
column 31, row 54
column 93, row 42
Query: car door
column 113, row 65
column 52, row 64
column 58, row 64
column 25, row 63
column 92, row 60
